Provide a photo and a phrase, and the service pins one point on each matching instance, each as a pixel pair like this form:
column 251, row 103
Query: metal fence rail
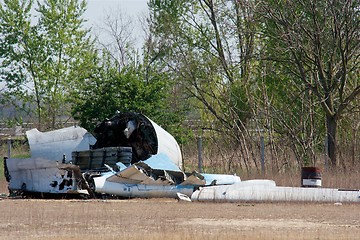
column 20, row 130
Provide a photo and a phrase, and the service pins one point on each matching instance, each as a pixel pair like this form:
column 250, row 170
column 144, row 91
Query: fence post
column 262, row 150
column 9, row 147
column 199, row 144
column 326, row 145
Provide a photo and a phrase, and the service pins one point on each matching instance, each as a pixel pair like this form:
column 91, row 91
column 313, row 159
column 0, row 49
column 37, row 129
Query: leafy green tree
column 317, row 44
column 293, row 115
column 125, row 81
column 16, row 34
column 108, row 90
column 43, row 57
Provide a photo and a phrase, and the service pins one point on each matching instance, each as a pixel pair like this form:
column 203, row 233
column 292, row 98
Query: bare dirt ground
column 172, row 219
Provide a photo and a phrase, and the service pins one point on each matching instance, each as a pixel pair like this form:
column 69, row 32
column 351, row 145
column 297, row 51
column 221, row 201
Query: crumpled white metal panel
column 53, row 145
column 167, row 144
column 39, row 175
column 132, row 175
column 139, row 190
column 220, row 179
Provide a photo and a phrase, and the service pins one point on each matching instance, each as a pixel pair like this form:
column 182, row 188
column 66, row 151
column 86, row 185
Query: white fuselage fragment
column 39, row 175
column 54, row 145
column 140, row 180
column 167, row 144
column 139, row 190
column 266, row 190
column 41, row 172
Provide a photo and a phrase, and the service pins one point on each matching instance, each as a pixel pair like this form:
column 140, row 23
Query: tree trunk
column 331, row 125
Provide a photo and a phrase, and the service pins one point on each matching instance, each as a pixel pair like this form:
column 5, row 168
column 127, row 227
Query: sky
column 97, row 10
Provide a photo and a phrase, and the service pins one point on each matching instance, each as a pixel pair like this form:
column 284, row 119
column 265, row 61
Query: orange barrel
column 310, row 177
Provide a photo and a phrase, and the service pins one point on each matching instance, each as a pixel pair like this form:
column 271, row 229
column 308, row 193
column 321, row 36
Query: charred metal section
column 128, row 130
column 74, row 172
column 96, row 159
column 6, row 171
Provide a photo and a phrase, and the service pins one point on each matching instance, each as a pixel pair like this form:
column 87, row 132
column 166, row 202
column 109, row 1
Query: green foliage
column 239, row 102
column 43, row 58
column 316, row 44
column 109, row 90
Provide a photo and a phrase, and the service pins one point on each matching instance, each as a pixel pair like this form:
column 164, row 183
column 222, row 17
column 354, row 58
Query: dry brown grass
column 346, row 175
column 338, row 178
column 168, row 219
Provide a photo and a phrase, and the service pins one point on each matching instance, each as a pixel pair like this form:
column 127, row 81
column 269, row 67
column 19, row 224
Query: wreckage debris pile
column 128, row 130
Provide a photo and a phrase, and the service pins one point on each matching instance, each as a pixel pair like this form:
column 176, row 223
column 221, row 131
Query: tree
column 44, row 57
column 108, row 90
column 209, row 47
column 125, row 81
column 119, row 38
column 317, row 43
column 15, row 30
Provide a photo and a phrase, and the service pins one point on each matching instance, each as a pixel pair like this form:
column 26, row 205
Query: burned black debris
column 95, row 159
column 128, row 130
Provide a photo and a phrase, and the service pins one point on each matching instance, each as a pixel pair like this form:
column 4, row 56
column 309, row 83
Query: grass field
column 169, row 219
